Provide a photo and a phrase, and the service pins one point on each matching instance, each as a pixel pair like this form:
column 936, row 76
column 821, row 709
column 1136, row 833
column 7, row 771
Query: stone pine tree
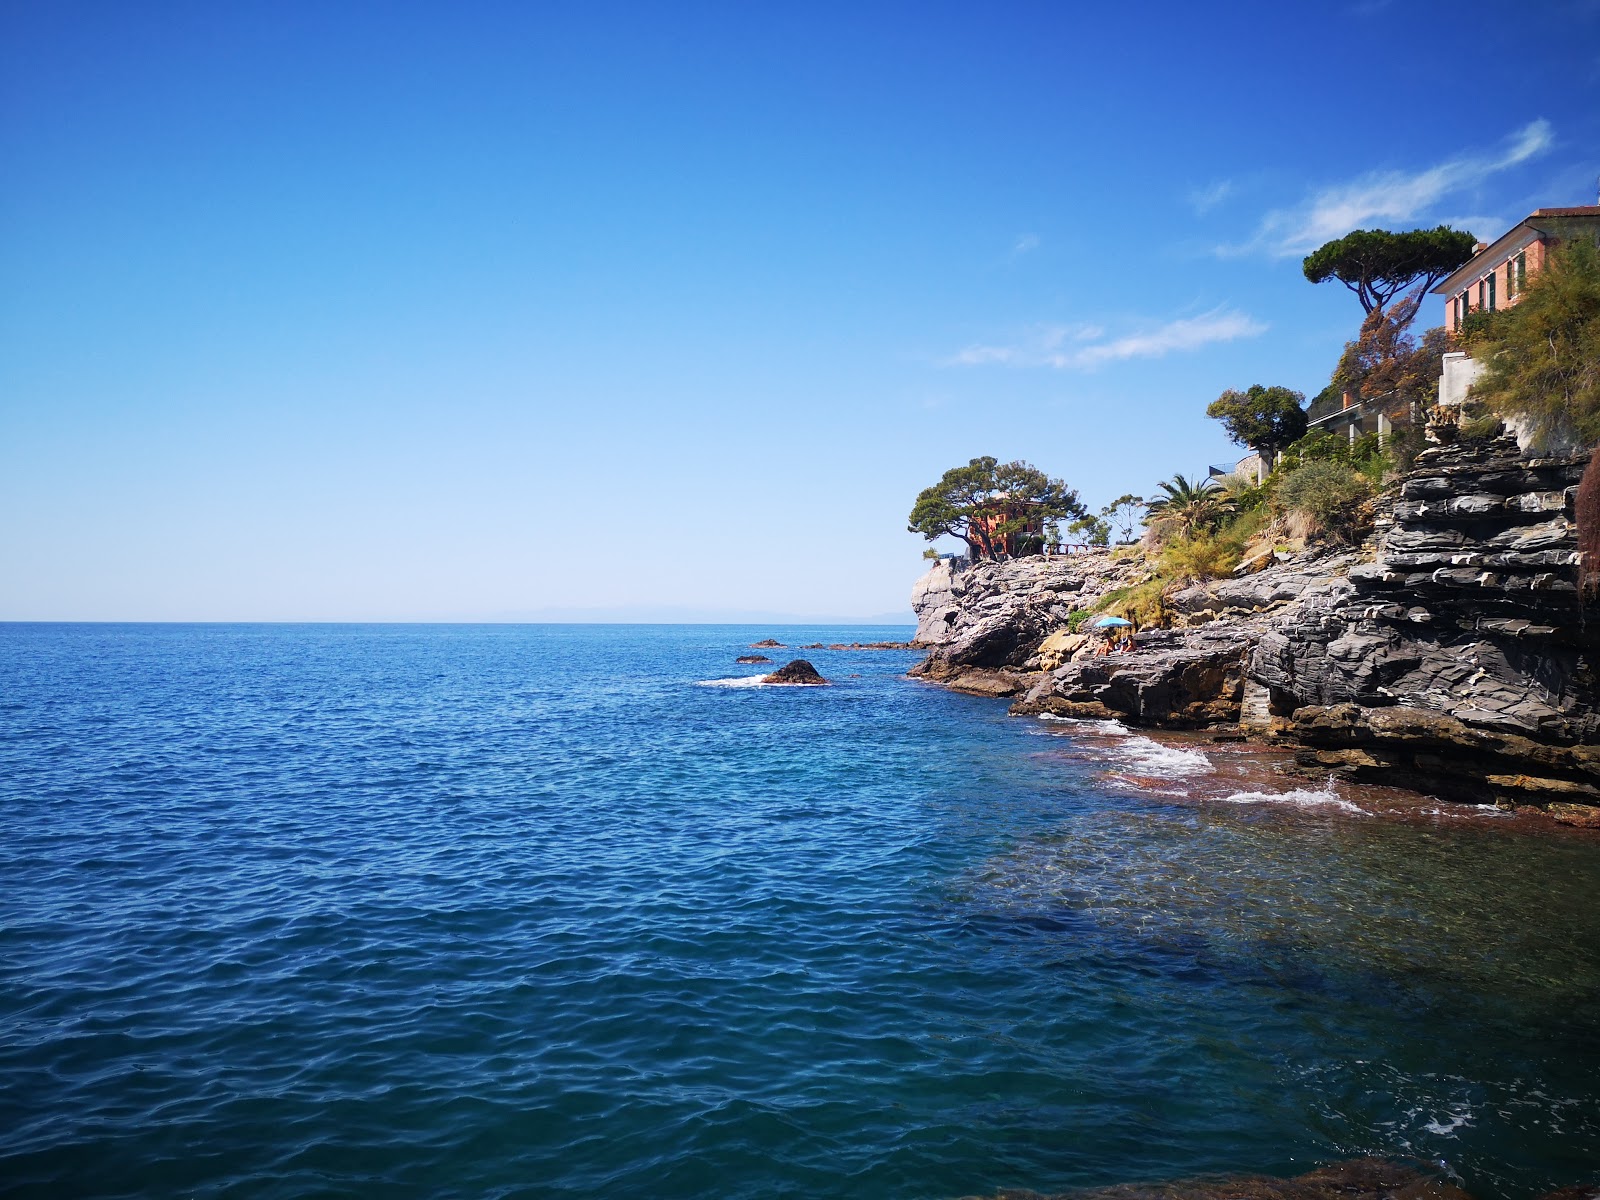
column 1266, row 419
column 990, row 505
column 1378, row 265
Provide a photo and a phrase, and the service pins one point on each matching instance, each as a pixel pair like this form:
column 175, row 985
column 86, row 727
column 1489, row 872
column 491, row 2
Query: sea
column 568, row 910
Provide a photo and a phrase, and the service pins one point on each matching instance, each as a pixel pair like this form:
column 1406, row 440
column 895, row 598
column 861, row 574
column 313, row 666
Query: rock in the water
column 798, row 671
column 767, row 644
column 752, row 658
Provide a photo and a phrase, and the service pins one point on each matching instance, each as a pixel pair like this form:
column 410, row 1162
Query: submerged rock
column 798, row 671
column 752, row 658
column 1357, row 1179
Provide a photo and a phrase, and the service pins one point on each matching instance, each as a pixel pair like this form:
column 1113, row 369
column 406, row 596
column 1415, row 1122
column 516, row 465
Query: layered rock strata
column 1451, row 654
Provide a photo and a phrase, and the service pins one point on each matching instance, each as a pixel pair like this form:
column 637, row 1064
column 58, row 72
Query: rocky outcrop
column 799, row 672
column 986, row 624
column 1012, row 635
column 1176, row 679
column 1451, row 654
column 1432, row 751
column 1459, row 659
column 752, row 658
column 975, row 604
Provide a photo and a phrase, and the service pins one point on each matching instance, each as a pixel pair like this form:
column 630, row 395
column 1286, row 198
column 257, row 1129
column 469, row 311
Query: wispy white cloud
column 1204, row 199
column 1084, row 347
column 1485, row 228
column 1380, row 196
column 1026, row 243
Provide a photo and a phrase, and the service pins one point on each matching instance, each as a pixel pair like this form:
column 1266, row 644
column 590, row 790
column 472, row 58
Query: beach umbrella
column 1111, row 623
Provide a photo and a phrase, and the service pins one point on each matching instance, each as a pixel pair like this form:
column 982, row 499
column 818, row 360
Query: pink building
column 1496, row 274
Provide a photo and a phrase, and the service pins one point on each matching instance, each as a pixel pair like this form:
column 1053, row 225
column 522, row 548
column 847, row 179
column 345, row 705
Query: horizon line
column 784, row 621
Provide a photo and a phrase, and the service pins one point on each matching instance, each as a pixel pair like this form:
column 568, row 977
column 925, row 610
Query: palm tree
column 1187, row 508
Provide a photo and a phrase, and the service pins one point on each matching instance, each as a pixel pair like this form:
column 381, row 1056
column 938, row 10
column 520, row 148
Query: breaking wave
column 1323, row 797
column 1169, row 762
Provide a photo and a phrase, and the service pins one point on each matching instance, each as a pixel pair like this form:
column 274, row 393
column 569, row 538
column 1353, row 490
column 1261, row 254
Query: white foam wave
column 738, row 681
column 1466, row 811
column 1104, row 728
column 1323, row 797
column 1136, row 753
column 1167, row 762
column 1454, row 1122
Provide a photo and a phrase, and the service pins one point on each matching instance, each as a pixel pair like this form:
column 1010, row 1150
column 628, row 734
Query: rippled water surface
column 533, row 911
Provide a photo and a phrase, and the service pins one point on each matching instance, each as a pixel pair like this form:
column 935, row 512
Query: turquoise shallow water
column 530, row 911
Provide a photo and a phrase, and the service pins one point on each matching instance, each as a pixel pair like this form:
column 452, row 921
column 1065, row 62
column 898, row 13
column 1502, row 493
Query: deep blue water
column 527, row 911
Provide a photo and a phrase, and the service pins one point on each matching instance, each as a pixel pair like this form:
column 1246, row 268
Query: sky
column 523, row 311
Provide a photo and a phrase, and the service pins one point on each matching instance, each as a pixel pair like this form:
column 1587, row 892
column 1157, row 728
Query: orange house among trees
column 1494, row 278
column 1008, row 527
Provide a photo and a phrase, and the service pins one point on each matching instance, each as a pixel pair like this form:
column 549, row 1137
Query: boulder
column 1196, row 680
column 1059, row 647
column 798, row 672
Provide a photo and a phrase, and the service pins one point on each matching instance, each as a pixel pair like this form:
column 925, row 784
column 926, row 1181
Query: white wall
column 1460, row 371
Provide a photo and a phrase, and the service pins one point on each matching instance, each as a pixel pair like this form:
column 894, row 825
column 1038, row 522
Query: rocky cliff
column 1450, row 654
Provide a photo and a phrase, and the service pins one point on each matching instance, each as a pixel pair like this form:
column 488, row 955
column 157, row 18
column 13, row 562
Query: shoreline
column 1448, row 655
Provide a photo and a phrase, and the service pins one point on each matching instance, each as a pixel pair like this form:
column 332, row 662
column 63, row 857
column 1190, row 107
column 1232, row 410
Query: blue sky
column 496, row 311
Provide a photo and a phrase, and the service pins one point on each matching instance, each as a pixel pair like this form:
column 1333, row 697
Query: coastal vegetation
column 1124, row 514
column 1266, row 419
column 1542, row 356
column 995, row 508
column 1186, row 509
column 1386, row 363
column 1312, row 487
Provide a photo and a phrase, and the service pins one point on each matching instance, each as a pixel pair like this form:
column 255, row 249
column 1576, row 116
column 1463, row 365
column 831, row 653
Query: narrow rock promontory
column 1451, row 653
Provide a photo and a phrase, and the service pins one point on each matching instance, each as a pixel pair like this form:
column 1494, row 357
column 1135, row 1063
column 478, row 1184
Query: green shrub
column 1076, row 619
column 1247, row 523
column 1333, row 496
column 1542, row 357
column 1317, row 446
column 1322, row 446
column 1142, row 603
column 1404, row 445
column 1480, row 327
column 1193, row 560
